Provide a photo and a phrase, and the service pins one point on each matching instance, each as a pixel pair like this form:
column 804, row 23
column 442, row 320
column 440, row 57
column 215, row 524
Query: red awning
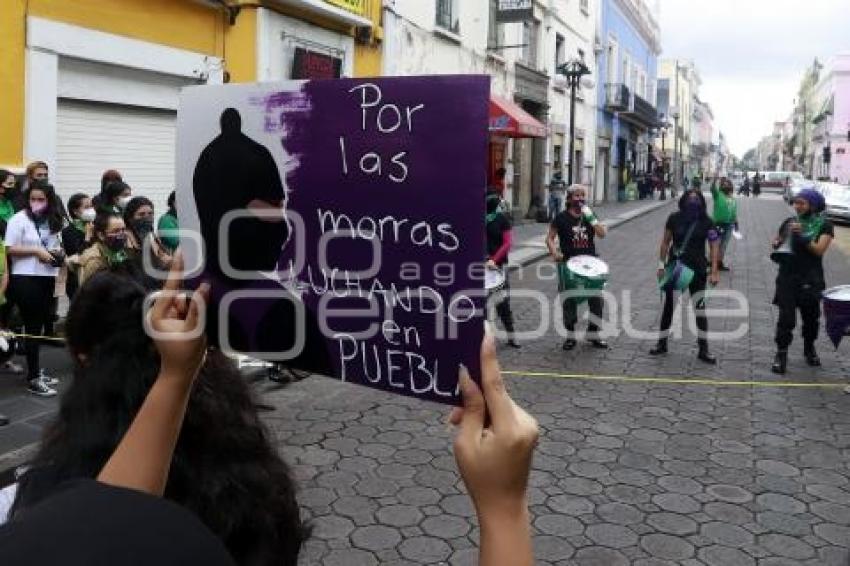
column 508, row 119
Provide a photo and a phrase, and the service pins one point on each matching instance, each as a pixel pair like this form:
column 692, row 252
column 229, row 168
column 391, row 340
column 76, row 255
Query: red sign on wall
column 312, row 65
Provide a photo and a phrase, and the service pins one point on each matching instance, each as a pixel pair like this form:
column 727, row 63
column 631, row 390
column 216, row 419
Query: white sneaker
column 47, row 379
column 38, row 387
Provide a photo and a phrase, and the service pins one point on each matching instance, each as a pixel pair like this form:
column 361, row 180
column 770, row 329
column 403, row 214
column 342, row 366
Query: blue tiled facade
column 629, row 55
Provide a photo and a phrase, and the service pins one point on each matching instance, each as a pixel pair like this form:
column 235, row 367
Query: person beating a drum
column 682, row 266
column 499, row 239
column 575, row 228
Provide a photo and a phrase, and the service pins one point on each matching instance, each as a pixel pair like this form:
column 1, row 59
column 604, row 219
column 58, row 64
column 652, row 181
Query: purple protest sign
column 342, row 224
column 836, row 310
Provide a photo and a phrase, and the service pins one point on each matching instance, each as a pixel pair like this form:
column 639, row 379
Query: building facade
column 628, row 44
column 703, row 142
column 830, row 153
column 94, row 84
column 521, row 55
column 680, row 82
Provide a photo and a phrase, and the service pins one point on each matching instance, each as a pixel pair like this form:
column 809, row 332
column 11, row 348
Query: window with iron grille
column 447, row 15
column 530, row 33
column 495, row 30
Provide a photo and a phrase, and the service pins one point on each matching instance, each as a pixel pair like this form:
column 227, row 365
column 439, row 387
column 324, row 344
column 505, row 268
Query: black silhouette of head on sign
column 236, row 173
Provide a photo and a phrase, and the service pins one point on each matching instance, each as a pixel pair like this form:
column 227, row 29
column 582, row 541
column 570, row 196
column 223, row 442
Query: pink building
column 831, row 129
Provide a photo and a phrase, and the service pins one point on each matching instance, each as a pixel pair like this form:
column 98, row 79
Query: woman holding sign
column 499, row 239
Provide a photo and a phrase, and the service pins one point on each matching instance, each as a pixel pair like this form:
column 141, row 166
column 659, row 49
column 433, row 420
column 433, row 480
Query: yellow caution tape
column 677, row 380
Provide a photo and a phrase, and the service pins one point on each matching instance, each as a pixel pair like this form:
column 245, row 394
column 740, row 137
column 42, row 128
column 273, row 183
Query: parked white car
column 837, row 200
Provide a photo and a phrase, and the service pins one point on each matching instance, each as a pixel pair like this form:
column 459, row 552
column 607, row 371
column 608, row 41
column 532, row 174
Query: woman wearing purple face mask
column 35, row 254
column 685, row 237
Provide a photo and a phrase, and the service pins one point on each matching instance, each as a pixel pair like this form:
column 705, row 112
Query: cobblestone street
column 648, row 473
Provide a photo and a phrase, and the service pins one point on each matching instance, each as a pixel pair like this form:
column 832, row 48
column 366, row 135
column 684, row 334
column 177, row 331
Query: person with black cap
column 800, row 280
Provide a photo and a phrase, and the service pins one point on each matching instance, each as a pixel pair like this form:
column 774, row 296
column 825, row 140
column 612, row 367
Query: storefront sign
column 515, row 11
column 326, row 236
column 312, row 65
column 356, row 6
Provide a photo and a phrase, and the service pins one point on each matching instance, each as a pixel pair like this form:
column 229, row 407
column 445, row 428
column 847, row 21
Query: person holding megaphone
column 799, row 248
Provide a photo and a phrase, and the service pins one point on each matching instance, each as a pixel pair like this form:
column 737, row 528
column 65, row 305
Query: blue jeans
column 725, row 236
column 554, row 207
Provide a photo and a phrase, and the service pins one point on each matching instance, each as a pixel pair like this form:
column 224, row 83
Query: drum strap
column 677, row 253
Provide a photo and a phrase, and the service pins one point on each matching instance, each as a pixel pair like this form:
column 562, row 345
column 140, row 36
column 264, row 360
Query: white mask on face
column 123, row 202
column 87, row 215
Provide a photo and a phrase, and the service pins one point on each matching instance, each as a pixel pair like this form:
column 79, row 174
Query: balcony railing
column 617, row 97
column 640, row 112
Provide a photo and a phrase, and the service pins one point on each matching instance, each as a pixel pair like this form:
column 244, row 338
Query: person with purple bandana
column 800, row 280
column 685, row 236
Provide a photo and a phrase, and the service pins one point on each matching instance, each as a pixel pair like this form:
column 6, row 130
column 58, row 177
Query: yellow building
column 87, row 85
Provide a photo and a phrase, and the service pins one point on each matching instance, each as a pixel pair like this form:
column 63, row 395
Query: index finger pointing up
column 172, row 284
column 499, row 404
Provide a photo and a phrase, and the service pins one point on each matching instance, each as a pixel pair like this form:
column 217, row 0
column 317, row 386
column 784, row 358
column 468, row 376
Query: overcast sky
column 752, row 54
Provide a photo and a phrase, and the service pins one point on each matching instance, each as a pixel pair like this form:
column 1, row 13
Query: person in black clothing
column 685, row 236
column 800, row 281
column 499, row 240
column 575, row 229
column 756, row 184
column 77, row 237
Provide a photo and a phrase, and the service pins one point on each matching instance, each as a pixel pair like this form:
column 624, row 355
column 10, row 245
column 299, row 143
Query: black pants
column 696, row 288
column 570, row 310
column 34, row 297
column 793, row 294
column 503, row 307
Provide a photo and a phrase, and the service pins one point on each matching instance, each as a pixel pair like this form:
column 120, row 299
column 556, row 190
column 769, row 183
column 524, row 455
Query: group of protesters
column 691, row 256
column 51, row 247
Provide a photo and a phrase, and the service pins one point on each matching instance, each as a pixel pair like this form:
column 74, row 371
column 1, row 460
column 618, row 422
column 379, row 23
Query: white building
column 450, row 36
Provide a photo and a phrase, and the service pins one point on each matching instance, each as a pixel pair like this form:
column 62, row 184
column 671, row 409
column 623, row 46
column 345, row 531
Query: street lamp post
column 573, row 70
column 663, row 126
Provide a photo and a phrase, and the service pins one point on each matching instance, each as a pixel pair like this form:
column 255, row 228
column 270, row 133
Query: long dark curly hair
column 225, row 469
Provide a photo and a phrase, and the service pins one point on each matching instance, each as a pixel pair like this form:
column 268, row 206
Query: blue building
column 628, row 42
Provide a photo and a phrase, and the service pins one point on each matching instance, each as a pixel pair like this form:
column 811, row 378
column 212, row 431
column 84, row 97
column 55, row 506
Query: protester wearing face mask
column 499, row 237
column 115, row 197
column 571, row 234
column 139, row 219
column 800, row 280
column 77, row 237
column 685, row 236
column 109, row 248
column 32, row 242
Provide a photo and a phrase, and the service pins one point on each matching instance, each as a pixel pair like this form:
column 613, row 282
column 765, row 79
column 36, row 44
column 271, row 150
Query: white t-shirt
column 22, row 231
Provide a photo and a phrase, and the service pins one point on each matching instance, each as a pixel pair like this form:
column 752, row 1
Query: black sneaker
column 569, row 344
column 599, row 344
column 4, row 420
column 38, row 387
